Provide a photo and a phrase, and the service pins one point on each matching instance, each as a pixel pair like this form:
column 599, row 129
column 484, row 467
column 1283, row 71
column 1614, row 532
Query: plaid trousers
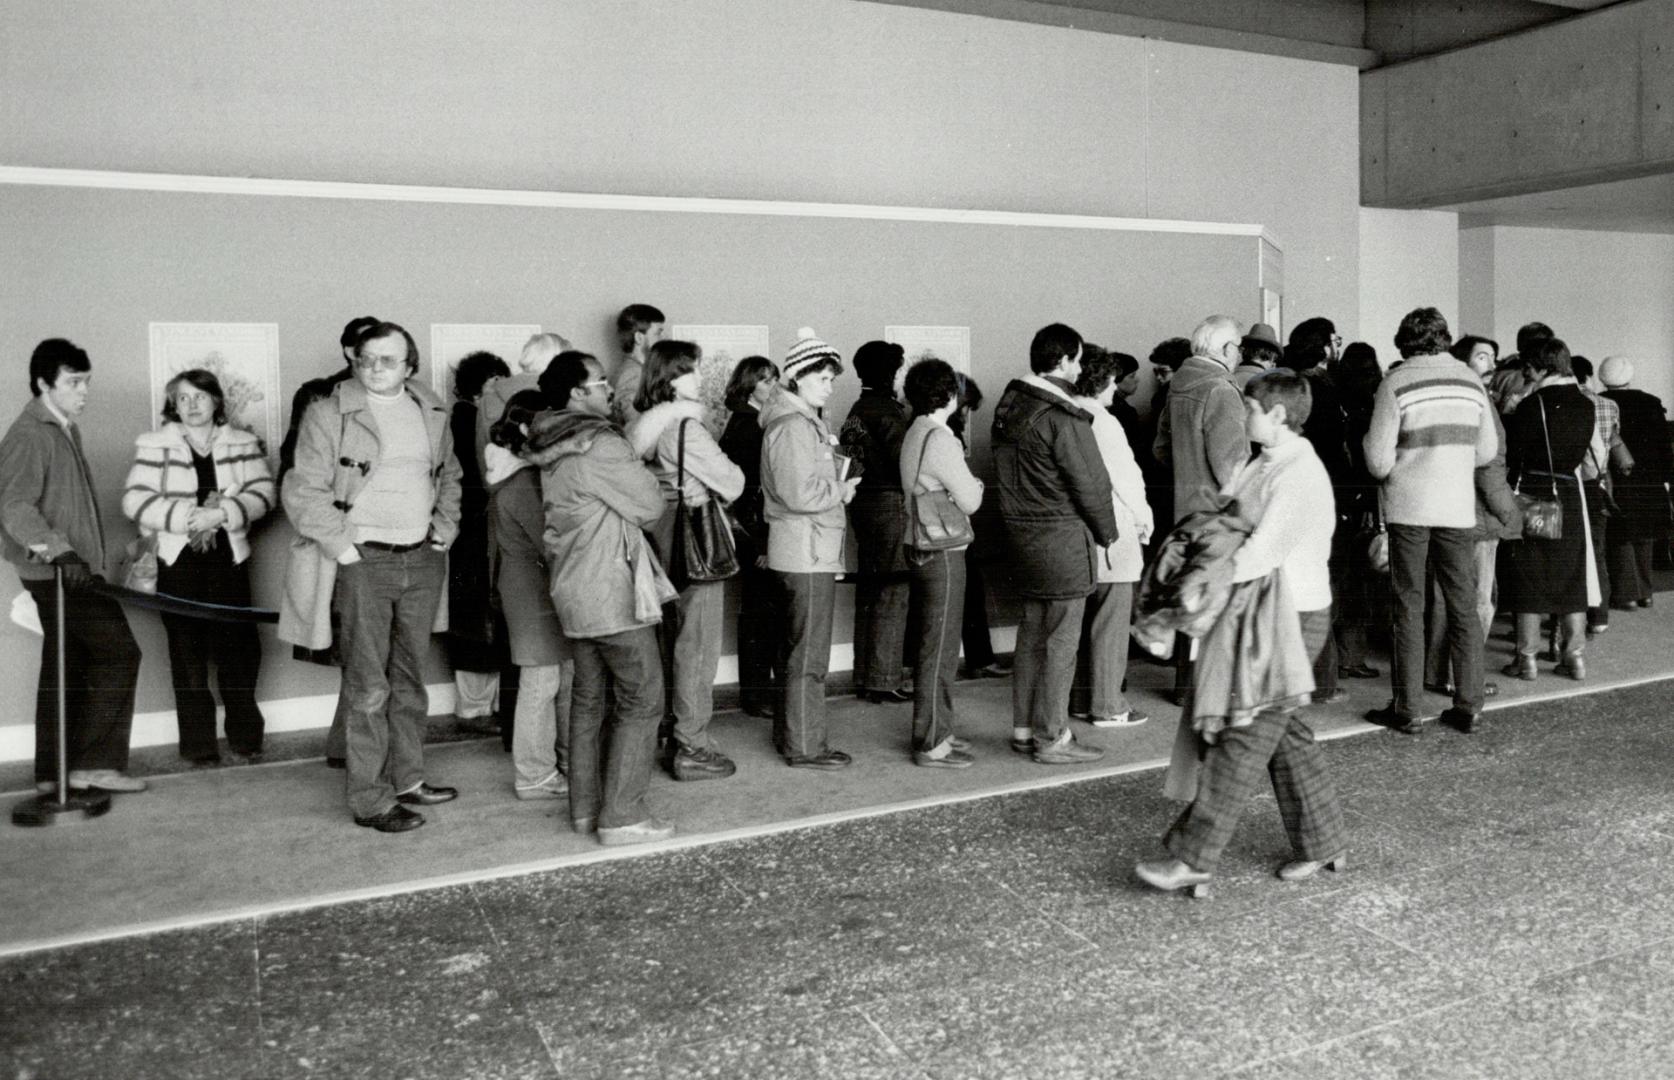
column 1283, row 744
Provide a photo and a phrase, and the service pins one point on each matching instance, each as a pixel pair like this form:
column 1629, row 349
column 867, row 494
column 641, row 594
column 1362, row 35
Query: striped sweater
column 1429, row 433
column 162, row 487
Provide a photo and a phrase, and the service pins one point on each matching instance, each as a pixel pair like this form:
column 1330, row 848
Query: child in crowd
column 1286, row 493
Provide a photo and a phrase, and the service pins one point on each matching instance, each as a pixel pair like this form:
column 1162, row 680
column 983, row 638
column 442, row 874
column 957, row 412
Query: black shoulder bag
column 703, row 545
column 1543, row 518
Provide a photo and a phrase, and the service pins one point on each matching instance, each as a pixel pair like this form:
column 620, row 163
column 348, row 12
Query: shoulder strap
column 1546, row 436
column 680, row 459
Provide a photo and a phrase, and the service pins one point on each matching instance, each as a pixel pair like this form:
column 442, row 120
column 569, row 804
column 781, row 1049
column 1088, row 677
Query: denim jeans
column 1044, row 666
column 386, row 604
column 1101, row 661
column 611, row 755
column 101, row 664
column 939, row 590
column 809, row 601
column 540, row 731
column 693, row 623
column 1417, row 552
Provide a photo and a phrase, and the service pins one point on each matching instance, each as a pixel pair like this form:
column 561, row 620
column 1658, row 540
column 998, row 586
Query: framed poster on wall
column 244, row 357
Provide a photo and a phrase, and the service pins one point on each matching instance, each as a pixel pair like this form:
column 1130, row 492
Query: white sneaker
column 105, row 780
column 1131, row 718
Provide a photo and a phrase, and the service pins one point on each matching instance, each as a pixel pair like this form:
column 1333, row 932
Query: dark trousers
column 1600, row 615
column 386, row 604
column 1630, row 570
column 1417, row 552
column 194, row 644
column 809, row 601
column 1044, row 667
column 101, row 664
column 611, row 749
column 1283, row 745
column 881, row 589
column 758, row 631
column 939, row 591
column 979, row 647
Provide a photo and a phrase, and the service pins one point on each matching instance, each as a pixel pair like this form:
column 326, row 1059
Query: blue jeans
column 939, row 591
column 610, row 756
column 386, row 604
column 693, row 621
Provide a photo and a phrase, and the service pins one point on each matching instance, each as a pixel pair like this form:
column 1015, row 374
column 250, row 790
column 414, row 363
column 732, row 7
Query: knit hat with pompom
column 807, row 351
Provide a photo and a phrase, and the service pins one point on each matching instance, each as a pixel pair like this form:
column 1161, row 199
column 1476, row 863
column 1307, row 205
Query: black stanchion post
column 63, row 806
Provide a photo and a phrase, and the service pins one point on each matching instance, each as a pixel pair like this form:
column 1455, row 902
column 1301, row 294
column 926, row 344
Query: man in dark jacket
column 49, row 517
column 1056, row 505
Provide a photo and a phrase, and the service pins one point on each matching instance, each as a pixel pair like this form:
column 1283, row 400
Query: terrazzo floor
column 1508, row 911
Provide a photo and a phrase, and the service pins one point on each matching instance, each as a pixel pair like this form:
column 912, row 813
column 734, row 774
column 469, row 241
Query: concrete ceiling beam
column 1586, row 100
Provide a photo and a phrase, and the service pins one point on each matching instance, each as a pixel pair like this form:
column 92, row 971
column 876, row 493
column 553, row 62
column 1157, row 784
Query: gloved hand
column 77, row 574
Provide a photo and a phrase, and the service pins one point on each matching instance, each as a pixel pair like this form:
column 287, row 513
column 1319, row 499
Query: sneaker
column 689, row 764
column 641, row 832
column 1022, row 746
column 1131, row 718
column 953, row 759
column 1064, row 750
column 105, row 780
column 550, row 789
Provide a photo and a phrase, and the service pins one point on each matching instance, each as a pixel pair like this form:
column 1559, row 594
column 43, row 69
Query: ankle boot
column 1572, row 666
column 1522, row 668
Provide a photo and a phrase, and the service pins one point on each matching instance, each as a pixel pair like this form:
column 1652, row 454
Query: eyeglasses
column 386, row 363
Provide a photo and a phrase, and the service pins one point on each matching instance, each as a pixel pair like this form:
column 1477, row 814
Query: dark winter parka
column 1054, row 490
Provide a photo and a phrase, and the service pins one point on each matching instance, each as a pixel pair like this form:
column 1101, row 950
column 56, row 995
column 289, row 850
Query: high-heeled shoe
column 1572, row 667
column 1172, row 875
column 1303, row 869
column 1522, row 668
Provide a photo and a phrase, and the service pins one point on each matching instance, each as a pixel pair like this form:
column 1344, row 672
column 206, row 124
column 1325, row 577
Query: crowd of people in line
column 570, row 533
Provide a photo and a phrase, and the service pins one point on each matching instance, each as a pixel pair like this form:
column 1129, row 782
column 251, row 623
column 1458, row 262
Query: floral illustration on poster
column 244, row 357
column 452, row 342
column 949, row 343
column 723, row 347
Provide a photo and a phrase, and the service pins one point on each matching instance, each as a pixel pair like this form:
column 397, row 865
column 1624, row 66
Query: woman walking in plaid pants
column 1287, row 493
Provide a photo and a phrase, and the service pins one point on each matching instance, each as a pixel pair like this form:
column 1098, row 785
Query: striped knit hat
column 806, row 352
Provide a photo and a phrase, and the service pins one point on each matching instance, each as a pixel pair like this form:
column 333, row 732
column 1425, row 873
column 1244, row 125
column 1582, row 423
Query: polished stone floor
column 1508, row 911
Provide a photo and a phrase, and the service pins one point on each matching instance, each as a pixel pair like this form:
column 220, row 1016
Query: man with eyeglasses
column 598, row 499
column 1201, row 434
column 376, row 489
